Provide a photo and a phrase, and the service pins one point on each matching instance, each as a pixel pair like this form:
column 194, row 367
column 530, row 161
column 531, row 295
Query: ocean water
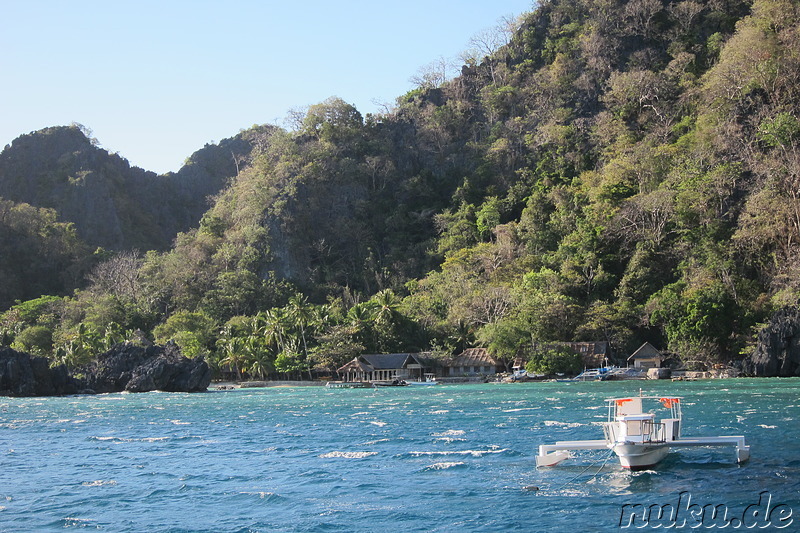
column 443, row 458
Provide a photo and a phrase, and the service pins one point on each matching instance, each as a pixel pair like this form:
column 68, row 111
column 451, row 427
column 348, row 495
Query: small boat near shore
column 637, row 438
column 430, row 379
column 393, row 383
column 349, row 385
column 606, row 373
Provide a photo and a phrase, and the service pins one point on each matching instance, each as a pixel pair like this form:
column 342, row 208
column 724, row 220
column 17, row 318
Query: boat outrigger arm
column 637, row 438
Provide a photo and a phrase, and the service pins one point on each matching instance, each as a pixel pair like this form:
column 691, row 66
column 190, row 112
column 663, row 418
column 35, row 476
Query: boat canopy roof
column 658, row 398
column 633, row 405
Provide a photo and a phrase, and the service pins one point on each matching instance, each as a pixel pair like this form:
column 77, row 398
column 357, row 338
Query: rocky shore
column 24, row 375
column 125, row 367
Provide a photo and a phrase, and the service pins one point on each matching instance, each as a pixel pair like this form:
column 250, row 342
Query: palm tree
column 301, row 314
column 462, row 336
column 387, row 319
column 112, row 335
column 361, row 317
column 387, row 306
column 260, row 364
column 272, row 327
column 232, row 354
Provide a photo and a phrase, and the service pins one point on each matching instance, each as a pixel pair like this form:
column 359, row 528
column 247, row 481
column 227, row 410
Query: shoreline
column 678, row 375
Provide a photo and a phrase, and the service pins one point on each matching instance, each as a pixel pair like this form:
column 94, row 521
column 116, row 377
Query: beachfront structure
column 646, row 356
column 387, row 367
column 595, row 354
column 473, row 362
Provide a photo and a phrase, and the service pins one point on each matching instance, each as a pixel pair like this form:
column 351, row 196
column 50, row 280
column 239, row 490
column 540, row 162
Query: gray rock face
column 24, row 375
column 128, row 367
column 777, row 351
column 125, row 367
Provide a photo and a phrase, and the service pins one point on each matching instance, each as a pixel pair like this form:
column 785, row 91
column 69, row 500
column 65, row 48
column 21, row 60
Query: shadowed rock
column 125, row 367
column 22, row 374
column 129, row 367
column 777, row 351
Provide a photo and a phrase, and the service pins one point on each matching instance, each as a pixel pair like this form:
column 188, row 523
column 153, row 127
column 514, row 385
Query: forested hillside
column 110, row 203
column 620, row 171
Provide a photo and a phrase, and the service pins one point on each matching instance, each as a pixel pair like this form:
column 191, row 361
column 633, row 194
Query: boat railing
column 610, row 432
column 653, row 431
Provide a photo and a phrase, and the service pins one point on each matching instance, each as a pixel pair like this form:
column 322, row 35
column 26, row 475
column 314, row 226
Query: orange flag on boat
column 668, row 402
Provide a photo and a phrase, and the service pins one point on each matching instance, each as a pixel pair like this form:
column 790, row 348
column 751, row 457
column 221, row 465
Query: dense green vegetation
column 620, row 171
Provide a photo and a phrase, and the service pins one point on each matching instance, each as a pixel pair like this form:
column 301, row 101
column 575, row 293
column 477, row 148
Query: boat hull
column 640, row 456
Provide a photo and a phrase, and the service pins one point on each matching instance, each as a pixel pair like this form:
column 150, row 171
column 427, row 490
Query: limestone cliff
column 777, row 351
column 112, row 204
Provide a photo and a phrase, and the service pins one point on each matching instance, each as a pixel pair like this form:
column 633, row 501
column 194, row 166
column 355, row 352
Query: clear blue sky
column 156, row 80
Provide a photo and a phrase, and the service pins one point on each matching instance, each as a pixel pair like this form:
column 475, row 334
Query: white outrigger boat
column 430, row 379
column 638, row 439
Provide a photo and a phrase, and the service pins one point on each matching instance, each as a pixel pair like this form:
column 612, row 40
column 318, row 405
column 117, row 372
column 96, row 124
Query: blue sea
column 444, row 458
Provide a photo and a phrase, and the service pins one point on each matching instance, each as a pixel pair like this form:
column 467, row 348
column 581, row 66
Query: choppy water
column 444, row 458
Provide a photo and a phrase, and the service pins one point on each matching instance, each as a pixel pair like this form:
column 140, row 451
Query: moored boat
column 430, row 379
column 393, row 383
column 637, row 438
column 349, row 385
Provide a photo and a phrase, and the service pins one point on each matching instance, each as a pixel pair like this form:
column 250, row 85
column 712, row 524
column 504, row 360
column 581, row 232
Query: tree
column 488, row 217
column 338, row 344
column 37, row 340
column 194, row 332
column 555, row 360
column 698, row 320
column 119, row 276
column 433, row 75
column 333, row 121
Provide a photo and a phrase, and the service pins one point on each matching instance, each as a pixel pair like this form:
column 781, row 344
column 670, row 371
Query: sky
column 157, row 80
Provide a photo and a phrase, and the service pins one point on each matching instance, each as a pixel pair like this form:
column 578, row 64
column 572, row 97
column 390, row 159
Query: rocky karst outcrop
column 125, row 367
column 24, row 375
column 112, row 204
column 777, row 351
column 134, row 368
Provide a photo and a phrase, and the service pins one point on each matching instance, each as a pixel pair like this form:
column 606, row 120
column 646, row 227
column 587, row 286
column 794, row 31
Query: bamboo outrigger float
column 637, row 438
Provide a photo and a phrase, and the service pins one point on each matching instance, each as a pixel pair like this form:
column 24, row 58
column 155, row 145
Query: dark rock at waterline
column 777, row 351
column 134, row 368
column 125, row 367
column 22, row 374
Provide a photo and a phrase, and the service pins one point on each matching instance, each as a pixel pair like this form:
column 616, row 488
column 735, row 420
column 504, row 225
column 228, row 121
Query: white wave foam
column 473, row 453
column 99, row 483
column 450, row 433
column 373, row 442
column 376, row 423
column 347, row 455
column 262, row 495
column 562, row 424
column 444, row 466
column 766, row 426
column 440, row 412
